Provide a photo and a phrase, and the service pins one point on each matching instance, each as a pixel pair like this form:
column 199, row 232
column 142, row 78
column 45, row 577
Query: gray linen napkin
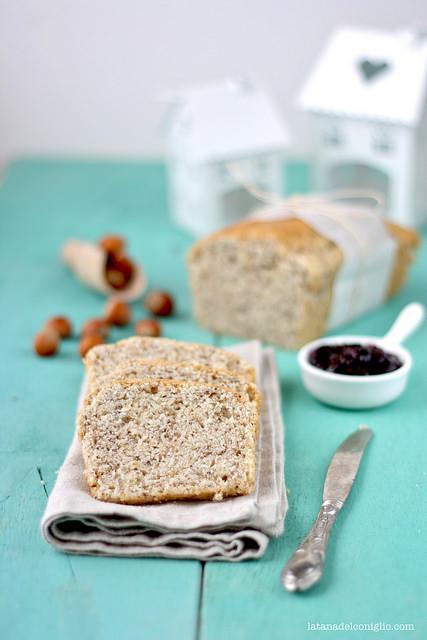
column 233, row 529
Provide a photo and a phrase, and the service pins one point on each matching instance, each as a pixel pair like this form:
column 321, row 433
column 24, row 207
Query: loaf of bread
column 102, row 359
column 273, row 280
column 151, row 441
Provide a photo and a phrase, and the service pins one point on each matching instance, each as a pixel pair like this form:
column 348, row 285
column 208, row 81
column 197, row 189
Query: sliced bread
column 178, row 371
column 157, row 440
column 102, row 359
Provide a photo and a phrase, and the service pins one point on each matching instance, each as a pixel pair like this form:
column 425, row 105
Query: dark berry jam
column 354, row 359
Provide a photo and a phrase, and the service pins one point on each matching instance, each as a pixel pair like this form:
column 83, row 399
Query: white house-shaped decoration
column 211, row 127
column 367, row 98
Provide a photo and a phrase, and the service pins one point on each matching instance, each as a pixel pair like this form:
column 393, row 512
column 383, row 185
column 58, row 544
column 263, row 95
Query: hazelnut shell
column 159, row 303
column 118, row 312
column 148, row 327
column 89, row 341
column 61, row 325
column 46, row 343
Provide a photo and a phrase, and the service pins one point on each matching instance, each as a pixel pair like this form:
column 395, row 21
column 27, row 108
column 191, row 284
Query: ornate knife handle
column 305, row 567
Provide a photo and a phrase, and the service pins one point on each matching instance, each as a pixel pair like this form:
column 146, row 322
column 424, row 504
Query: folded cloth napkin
column 233, row 529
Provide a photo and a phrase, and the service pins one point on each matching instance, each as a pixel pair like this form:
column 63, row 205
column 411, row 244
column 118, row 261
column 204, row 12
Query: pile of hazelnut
column 119, row 269
column 117, row 312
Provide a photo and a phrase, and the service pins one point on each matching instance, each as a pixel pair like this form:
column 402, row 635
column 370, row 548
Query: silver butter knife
column 305, row 567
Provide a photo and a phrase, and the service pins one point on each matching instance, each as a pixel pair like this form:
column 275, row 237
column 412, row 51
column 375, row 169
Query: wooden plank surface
column 44, row 593
column 377, row 565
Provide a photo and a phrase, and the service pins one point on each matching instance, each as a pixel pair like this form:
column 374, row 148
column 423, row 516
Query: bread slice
column 273, row 280
column 156, row 440
column 167, row 370
column 101, row 360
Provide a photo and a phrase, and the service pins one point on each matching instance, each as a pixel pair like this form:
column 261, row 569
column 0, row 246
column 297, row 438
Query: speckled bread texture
column 156, row 440
column 167, row 370
column 273, row 280
column 103, row 358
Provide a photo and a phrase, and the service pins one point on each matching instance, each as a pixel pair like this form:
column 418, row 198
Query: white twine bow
column 321, row 204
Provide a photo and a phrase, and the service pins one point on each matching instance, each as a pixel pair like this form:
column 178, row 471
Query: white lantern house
column 210, row 128
column 366, row 96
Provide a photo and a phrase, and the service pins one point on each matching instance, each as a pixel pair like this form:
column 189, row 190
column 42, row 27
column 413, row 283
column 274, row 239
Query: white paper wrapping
column 368, row 248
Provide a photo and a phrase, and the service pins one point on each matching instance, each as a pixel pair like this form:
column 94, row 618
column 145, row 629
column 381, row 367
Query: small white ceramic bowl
column 363, row 392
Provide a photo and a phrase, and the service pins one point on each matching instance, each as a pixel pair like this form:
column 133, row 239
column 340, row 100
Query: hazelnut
column 159, row 303
column 61, row 325
column 148, row 327
column 118, row 271
column 113, row 244
column 117, row 312
column 98, row 326
column 46, row 343
column 88, row 341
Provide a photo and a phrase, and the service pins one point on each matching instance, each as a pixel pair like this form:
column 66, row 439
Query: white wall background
column 80, row 77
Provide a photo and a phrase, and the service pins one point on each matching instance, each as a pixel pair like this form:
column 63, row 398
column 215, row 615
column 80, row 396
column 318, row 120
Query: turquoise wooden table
column 377, row 567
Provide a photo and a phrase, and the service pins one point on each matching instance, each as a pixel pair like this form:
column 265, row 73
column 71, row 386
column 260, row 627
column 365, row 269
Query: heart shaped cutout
column 371, row 69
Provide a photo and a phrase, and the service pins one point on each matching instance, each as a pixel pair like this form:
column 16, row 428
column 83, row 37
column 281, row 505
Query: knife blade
column 305, row 567
column 343, row 467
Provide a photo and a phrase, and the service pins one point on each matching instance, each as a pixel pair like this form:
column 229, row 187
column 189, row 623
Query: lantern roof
column 370, row 73
column 223, row 121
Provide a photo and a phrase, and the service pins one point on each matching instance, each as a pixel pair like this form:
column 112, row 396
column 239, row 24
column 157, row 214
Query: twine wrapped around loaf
column 88, row 263
column 357, row 229
column 318, row 204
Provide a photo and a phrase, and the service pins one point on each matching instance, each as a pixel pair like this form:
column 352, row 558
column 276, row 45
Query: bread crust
column 295, row 234
column 138, row 347
column 178, row 370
